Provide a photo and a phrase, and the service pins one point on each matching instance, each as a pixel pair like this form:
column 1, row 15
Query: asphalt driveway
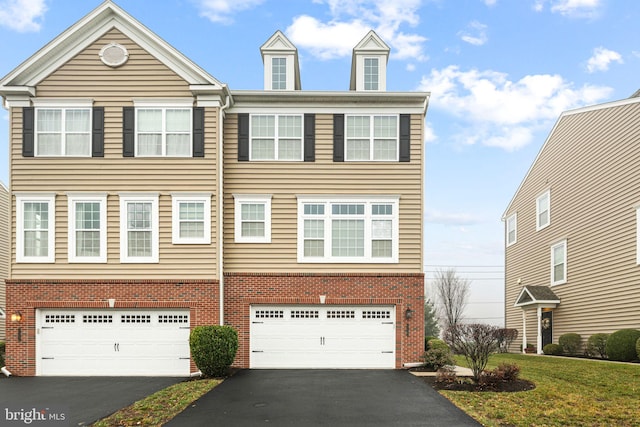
column 78, row 400
column 323, row 398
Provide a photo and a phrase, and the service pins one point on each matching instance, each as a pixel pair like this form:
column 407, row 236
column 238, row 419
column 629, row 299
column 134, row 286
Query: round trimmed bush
column 552, row 349
column 427, row 339
column 570, row 343
column 437, row 343
column 436, row 358
column 213, row 349
column 621, row 345
column 597, row 345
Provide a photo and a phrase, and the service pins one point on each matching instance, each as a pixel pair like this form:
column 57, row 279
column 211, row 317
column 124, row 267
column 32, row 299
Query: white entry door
column 112, row 342
column 322, row 337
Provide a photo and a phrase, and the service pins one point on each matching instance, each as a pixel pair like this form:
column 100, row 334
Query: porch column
column 539, row 339
column 524, row 330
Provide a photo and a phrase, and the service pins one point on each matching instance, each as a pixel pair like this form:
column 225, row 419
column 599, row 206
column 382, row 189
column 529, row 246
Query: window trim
column 510, row 218
column 368, row 201
column 21, row 199
column 371, row 137
column 176, row 200
column 126, row 198
column 63, row 105
column 239, row 200
column 546, row 194
column 562, row 243
column 163, row 105
column 100, row 198
column 276, row 137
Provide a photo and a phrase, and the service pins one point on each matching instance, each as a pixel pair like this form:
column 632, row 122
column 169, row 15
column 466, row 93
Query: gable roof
column 23, row 79
column 371, row 44
column 530, row 295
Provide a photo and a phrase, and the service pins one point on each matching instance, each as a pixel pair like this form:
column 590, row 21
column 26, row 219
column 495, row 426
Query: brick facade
column 25, row 296
column 404, row 291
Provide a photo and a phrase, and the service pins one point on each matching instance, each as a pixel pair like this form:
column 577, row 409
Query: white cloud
column 475, row 34
column 429, row 133
column 445, row 218
column 222, row 11
column 22, row 15
column 495, row 111
column 571, row 8
column 601, row 59
column 411, row 67
column 352, row 19
column 490, row 3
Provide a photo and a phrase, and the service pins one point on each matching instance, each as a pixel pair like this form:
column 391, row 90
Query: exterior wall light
column 16, row 317
column 408, row 314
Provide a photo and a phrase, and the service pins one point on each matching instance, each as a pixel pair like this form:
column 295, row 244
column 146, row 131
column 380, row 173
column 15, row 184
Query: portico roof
column 537, row 296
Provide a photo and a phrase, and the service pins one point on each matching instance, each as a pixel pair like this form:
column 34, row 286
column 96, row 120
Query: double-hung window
column 371, row 138
column 559, row 263
column 512, row 224
column 35, row 239
column 252, row 218
column 87, row 228
column 191, row 218
column 62, row 128
column 543, row 210
column 138, row 228
column 371, row 74
column 348, row 229
column 163, row 129
column 276, row 137
column 278, row 73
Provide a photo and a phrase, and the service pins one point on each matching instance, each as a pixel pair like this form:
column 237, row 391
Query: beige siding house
column 147, row 198
column 572, row 229
column 5, row 246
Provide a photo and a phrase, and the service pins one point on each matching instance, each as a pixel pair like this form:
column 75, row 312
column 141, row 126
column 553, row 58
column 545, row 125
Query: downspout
column 220, row 207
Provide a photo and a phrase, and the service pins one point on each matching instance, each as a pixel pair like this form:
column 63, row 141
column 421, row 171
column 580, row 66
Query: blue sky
column 499, row 72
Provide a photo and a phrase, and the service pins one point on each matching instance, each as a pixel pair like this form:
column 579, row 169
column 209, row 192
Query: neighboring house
column 4, row 253
column 149, row 198
column 572, row 229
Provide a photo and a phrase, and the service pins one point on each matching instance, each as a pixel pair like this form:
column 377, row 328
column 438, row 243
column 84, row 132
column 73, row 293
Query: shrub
column 476, row 341
column 436, row 358
column 438, row 344
column 552, row 349
column 621, row 345
column 446, row 375
column 213, row 349
column 505, row 372
column 570, row 343
column 426, row 341
column 597, row 346
column 638, row 348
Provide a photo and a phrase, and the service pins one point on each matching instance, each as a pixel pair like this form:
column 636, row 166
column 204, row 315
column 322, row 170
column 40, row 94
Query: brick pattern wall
column 25, row 296
column 404, row 291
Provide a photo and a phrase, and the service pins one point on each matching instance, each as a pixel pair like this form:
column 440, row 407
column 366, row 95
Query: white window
column 163, row 128
column 543, row 210
column 371, row 138
column 348, row 229
column 35, row 239
column 276, row 137
column 278, row 73
column 252, row 218
column 62, row 128
column 512, row 224
column 191, row 218
column 138, row 228
column 559, row 263
column 87, row 227
column 371, row 74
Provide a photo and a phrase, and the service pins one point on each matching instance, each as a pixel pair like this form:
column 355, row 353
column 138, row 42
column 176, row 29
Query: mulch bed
column 467, row 385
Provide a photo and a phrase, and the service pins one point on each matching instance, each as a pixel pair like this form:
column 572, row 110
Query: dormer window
column 278, row 73
column 371, row 74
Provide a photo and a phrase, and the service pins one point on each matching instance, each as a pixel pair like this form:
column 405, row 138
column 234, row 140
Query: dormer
column 369, row 64
column 280, row 59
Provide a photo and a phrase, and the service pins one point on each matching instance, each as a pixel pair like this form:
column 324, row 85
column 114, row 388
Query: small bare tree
column 476, row 342
column 452, row 292
column 505, row 337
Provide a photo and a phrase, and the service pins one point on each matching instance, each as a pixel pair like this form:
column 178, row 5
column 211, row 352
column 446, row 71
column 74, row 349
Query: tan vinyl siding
column 142, row 76
column 590, row 165
column 4, row 251
column 285, row 180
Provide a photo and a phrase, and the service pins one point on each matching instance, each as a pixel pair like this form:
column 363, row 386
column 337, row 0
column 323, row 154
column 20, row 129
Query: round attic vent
column 114, row 55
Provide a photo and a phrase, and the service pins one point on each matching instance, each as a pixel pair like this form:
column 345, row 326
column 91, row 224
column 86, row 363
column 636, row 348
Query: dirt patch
column 468, row 385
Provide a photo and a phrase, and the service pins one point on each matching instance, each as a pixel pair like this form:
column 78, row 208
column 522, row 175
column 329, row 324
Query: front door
column 547, row 328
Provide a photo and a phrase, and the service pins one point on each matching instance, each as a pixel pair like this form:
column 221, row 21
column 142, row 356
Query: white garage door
column 112, row 342
column 322, row 337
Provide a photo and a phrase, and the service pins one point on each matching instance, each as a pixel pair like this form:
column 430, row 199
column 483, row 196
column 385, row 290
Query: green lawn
column 569, row 392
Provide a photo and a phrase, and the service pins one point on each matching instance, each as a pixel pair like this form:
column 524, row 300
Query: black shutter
column 309, row 137
column 405, row 138
column 338, row 137
column 198, row 132
column 97, row 132
column 243, row 137
column 28, row 121
column 128, row 131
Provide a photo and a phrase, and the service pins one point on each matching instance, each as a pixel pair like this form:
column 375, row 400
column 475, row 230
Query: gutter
column 220, row 206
